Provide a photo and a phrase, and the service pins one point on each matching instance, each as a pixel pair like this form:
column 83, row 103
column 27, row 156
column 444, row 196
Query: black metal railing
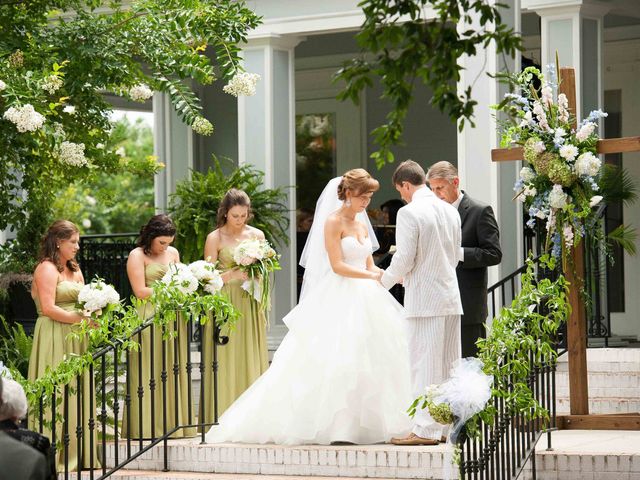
column 109, row 416
column 504, row 446
column 106, row 256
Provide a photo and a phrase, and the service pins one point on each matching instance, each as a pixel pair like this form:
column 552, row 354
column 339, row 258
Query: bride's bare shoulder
column 333, row 223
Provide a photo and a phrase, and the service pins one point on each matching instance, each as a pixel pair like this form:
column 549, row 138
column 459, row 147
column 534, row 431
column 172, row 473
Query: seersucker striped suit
column 428, row 237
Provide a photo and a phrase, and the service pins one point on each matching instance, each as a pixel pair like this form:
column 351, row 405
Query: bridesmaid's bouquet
column 259, row 260
column 181, row 278
column 97, row 298
column 209, row 279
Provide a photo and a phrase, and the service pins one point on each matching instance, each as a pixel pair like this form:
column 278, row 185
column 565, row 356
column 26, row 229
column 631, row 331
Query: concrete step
column 379, row 461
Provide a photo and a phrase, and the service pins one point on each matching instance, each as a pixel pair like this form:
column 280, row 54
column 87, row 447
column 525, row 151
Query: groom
column 428, row 250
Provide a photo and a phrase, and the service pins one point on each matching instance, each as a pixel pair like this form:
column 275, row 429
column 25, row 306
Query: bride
column 341, row 374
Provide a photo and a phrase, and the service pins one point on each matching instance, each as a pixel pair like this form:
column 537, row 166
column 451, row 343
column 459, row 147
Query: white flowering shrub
column 242, row 84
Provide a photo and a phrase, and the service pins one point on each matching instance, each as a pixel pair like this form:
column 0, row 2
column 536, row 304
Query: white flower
column 539, row 147
column 180, row 276
column 540, row 115
column 242, row 84
column 563, row 108
column 215, row 284
column 557, row 197
column 86, row 223
column 70, row 109
column 96, row 295
column 52, row 84
column 202, row 126
column 527, row 119
column 595, row 200
column 140, row 93
column 588, row 165
column 120, row 152
column 72, row 154
column 567, row 232
column 529, row 191
column 541, row 215
column 546, row 95
column 2, row 85
column 25, row 118
column 90, row 200
column 249, row 251
column 527, row 174
column 559, row 132
column 569, row 152
column 100, row 146
column 585, row 131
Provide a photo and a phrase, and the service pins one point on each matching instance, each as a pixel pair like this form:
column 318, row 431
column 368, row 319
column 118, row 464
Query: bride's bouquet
column 259, row 260
column 97, row 298
column 209, row 279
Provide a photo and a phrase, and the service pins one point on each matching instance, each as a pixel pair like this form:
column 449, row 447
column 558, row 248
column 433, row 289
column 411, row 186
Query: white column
column 481, row 178
column 266, row 139
column 574, row 30
column 173, row 144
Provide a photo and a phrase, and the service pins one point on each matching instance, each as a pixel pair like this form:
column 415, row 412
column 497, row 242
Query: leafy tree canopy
column 409, row 41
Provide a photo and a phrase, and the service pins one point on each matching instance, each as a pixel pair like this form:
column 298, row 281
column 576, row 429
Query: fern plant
column 195, row 204
column 15, row 346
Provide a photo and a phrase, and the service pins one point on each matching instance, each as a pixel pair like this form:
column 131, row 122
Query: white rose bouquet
column 258, row 259
column 209, row 279
column 97, row 298
column 181, row 278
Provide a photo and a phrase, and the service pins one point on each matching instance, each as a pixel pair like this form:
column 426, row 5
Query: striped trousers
column 434, row 345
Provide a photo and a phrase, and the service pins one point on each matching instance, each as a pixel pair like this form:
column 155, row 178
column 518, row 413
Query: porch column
column 266, row 139
column 173, row 144
column 574, row 30
column 481, row 178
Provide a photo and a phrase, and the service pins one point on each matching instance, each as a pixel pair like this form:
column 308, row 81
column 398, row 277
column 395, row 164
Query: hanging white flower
column 120, row 152
column 588, row 165
column 527, row 174
column 2, row 85
column 140, row 93
column 72, row 154
column 567, row 233
column 202, row 126
column 70, row 109
column 100, row 146
column 52, row 84
column 585, row 131
column 557, row 197
column 25, row 118
column 242, row 84
column 569, row 152
column 595, row 200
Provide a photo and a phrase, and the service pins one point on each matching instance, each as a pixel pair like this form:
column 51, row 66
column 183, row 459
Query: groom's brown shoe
column 414, row 439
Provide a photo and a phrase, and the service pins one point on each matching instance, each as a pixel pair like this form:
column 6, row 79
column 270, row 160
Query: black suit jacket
column 481, row 243
column 20, row 461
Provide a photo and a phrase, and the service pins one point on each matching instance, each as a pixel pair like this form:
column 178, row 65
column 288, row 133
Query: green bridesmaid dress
column 245, row 357
column 51, row 344
column 143, row 370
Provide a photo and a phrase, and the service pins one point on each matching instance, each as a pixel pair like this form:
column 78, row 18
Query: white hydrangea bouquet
column 258, row 259
column 97, row 299
column 209, row 279
column 561, row 184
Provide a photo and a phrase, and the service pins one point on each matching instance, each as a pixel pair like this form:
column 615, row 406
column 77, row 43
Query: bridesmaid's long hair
column 57, row 231
column 158, row 226
column 232, row 198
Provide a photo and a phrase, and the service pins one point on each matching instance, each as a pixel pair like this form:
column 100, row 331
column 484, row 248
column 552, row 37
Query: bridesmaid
column 245, row 357
column 147, row 263
column 57, row 280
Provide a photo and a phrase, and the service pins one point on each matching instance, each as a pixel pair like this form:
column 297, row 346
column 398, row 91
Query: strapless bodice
column 355, row 253
column 153, row 272
column 66, row 296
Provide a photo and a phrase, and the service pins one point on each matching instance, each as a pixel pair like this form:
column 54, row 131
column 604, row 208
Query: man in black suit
column 19, row 461
column 481, row 249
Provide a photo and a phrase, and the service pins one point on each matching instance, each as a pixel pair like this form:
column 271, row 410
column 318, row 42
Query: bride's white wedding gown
column 340, row 374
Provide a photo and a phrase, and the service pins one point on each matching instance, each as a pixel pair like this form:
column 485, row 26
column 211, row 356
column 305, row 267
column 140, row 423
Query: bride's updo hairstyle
column 358, row 181
column 232, row 198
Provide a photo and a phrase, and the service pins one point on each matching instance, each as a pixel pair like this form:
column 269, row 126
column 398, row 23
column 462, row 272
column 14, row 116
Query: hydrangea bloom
column 52, row 84
column 242, row 84
column 527, row 175
column 588, row 164
column 72, row 154
column 25, row 118
column 202, row 126
column 180, row 276
column 95, row 296
column 557, row 197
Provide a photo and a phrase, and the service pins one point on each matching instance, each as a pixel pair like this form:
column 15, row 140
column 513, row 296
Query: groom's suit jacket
column 428, row 250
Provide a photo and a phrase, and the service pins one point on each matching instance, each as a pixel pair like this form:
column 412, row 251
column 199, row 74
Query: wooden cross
column 576, row 324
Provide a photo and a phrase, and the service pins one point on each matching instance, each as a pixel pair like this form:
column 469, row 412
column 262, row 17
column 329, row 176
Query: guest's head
column 234, row 209
column 157, row 235
column 13, row 405
column 356, row 189
column 407, row 178
column 390, row 210
column 444, row 182
column 60, row 245
column 304, row 219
